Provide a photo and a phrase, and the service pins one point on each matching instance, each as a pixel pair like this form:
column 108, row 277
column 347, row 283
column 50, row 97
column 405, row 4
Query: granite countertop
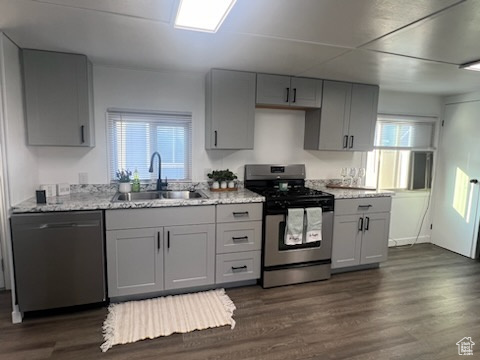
column 354, row 193
column 103, row 201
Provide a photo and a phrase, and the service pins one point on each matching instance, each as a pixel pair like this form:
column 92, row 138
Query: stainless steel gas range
column 284, row 188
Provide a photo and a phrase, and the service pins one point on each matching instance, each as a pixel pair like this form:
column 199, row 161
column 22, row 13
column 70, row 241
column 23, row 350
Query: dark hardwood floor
column 417, row 305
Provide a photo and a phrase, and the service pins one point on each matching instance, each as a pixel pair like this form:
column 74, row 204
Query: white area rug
column 147, row 319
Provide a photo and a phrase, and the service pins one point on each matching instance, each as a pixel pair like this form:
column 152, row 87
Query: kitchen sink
column 161, row 195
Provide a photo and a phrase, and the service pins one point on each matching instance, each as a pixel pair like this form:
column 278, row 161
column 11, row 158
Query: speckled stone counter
column 353, row 194
column 103, row 201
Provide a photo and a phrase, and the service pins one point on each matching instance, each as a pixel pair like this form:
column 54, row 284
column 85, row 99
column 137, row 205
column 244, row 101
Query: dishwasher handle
column 67, row 225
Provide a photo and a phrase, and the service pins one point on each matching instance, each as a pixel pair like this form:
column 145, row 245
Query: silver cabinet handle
column 360, row 224
column 345, row 141
column 158, row 240
column 351, row 141
column 288, row 95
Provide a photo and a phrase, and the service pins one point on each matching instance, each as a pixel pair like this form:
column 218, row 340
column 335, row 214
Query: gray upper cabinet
column 58, row 98
column 346, row 120
column 287, row 91
column 230, row 110
column 363, row 116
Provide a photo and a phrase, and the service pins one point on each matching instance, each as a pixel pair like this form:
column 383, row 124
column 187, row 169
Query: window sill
column 403, row 193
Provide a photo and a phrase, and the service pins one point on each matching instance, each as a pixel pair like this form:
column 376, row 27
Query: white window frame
column 374, row 157
column 154, row 119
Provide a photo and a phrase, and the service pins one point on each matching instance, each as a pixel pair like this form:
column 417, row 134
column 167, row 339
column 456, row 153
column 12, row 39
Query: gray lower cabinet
column 58, row 98
column 239, row 242
column 189, row 256
column 135, row 261
column 229, row 109
column 346, row 120
column 145, row 254
column 288, row 91
column 361, row 228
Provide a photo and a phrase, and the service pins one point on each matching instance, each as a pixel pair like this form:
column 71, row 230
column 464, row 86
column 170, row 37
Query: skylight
column 202, row 15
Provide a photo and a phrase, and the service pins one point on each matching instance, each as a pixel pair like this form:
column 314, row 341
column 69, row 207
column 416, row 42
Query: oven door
column 277, row 253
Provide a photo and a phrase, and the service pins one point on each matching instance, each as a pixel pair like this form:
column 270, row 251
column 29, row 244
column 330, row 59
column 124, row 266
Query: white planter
column 223, row 185
column 215, row 185
column 124, row 187
column 231, row 184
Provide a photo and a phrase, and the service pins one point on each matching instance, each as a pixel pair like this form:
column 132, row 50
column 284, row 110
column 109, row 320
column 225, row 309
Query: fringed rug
column 147, row 319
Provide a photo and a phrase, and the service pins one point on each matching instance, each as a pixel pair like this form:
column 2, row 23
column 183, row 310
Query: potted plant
column 222, row 179
column 123, row 177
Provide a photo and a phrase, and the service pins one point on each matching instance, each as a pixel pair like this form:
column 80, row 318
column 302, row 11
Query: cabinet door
column 375, row 238
column 347, row 239
column 134, row 261
column 230, row 110
column 306, row 92
column 189, row 256
column 274, row 90
column 363, row 116
column 57, row 98
column 335, row 115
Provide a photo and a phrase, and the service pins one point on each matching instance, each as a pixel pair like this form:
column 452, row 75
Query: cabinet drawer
column 363, row 205
column 168, row 216
column 239, row 212
column 241, row 236
column 238, row 267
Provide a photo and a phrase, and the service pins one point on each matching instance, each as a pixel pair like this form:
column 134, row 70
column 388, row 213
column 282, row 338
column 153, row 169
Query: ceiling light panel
column 202, row 15
column 475, row 66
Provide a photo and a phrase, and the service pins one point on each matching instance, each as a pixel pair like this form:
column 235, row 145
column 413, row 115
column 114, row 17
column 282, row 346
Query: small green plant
column 123, row 175
column 222, row 175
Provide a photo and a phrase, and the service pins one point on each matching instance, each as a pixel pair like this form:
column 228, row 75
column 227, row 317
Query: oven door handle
column 360, row 224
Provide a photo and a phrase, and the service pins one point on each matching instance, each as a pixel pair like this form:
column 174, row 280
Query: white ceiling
column 403, row 45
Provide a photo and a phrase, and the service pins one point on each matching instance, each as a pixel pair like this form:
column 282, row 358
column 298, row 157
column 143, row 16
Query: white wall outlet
column 83, row 178
column 63, row 189
column 50, row 189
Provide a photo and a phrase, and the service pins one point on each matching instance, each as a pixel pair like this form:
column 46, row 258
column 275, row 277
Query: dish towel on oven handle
column 294, row 227
column 314, row 224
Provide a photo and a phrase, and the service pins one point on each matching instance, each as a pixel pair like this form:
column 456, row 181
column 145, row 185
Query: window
column 135, row 136
column 396, row 136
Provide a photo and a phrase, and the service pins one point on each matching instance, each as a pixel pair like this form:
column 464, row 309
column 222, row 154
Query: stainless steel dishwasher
column 58, row 259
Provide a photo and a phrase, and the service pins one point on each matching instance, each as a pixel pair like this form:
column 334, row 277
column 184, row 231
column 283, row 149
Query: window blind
column 135, row 135
column 404, row 132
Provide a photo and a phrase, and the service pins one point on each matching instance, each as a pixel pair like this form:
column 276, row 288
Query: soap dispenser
column 136, row 182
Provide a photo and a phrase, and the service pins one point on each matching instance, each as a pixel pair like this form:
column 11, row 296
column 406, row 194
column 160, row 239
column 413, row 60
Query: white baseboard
column 409, row 241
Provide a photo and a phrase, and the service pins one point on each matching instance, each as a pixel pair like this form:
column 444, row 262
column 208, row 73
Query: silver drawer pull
column 236, row 268
column 240, row 238
column 365, row 206
column 242, row 213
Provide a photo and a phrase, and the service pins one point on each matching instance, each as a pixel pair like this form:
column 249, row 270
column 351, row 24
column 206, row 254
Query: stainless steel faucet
column 161, row 185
